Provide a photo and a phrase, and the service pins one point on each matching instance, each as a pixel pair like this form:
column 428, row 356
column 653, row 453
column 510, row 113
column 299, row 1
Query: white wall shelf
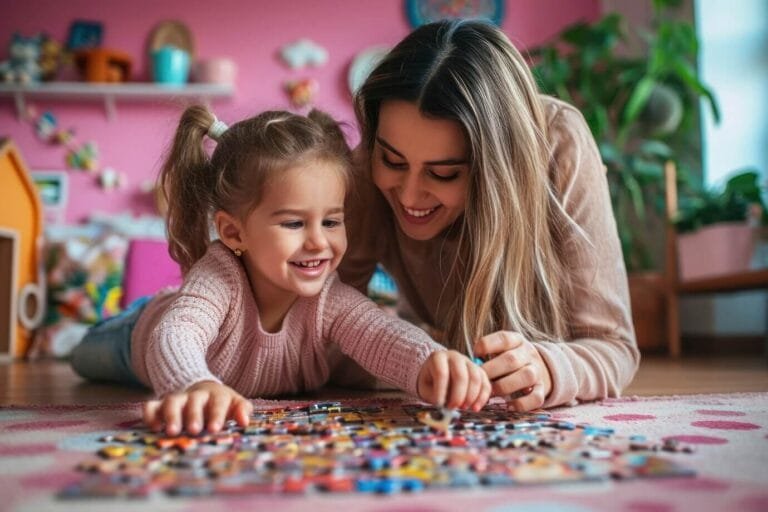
column 110, row 93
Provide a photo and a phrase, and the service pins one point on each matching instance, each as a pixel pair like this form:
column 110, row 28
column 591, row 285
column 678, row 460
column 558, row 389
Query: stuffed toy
column 22, row 67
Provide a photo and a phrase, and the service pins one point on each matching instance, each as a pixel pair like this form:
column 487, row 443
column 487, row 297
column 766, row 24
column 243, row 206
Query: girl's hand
column 450, row 379
column 205, row 404
column 515, row 369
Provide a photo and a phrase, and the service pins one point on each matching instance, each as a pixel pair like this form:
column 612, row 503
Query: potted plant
column 718, row 228
column 643, row 111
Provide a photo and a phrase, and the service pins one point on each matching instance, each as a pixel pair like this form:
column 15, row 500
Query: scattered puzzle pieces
column 384, row 448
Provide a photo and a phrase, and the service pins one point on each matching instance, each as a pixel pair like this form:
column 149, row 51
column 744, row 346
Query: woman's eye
column 293, row 224
column 392, row 165
column 450, row 176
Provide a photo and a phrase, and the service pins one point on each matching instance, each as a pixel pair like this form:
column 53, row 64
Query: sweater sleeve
column 391, row 349
column 177, row 345
column 601, row 356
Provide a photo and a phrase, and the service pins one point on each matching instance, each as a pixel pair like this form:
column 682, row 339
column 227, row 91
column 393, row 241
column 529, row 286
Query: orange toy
column 22, row 280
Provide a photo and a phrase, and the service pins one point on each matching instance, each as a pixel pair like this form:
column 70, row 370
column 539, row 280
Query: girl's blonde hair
column 509, row 271
column 247, row 155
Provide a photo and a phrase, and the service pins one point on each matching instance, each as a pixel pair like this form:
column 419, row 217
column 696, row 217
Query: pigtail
column 186, row 179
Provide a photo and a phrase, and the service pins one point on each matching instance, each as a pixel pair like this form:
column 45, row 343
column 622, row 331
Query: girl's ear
column 230, row 230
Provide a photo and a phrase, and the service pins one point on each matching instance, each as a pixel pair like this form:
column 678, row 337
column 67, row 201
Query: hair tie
column 217, row 129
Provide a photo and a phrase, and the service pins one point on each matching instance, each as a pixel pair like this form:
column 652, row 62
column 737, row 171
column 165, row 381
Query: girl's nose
column 316, row 240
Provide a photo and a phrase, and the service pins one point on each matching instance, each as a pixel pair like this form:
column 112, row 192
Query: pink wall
column 249, row 32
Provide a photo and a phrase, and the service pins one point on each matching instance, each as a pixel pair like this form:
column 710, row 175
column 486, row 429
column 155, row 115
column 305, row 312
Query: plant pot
column 723, row 248
column 649, row 310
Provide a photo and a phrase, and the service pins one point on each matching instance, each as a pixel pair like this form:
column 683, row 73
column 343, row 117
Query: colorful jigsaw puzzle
column 382, row 448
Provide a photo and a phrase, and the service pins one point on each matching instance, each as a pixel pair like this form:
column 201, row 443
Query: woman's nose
column 411, row 189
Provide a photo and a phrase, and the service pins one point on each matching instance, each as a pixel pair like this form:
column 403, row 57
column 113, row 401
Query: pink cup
column 215, row 71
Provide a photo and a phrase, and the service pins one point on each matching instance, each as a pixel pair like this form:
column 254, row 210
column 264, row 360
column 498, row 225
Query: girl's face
column 421, row 165
column 295, row 238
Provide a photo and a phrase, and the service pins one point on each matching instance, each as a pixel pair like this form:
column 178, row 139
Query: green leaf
column 638, row 100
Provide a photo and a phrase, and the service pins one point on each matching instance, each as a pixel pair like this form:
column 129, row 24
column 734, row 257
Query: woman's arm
column 601, row 357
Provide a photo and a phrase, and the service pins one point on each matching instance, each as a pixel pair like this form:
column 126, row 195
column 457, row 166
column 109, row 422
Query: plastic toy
column 303, row 53
column 302, row 92
column 22, row 67
column 22, row 280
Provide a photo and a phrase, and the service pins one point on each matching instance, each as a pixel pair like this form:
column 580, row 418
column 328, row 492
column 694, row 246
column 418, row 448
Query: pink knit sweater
column 210, row 330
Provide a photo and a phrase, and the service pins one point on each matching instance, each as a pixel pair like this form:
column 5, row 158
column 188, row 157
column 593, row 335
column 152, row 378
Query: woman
column 488, row 204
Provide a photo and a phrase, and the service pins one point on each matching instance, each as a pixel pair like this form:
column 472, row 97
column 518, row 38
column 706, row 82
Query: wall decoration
column 54, row 192
column 84, row 35
column 301, row 92
column 426, row 11
column 363, row 64
column 304, row 53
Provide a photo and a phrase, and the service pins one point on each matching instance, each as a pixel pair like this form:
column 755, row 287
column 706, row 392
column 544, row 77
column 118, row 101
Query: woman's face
column 421, row 165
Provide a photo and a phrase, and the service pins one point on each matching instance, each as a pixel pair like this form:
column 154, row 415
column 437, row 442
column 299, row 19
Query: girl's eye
column 450, row 176
column 294, row 224
column 392, row 165
column 332, row 223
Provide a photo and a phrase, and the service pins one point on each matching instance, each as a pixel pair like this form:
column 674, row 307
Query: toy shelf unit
column 110, row 93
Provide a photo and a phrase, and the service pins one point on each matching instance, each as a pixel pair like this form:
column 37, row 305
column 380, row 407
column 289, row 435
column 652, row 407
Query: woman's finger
column 496, row 343
column 506, row 363
column 518, row 380
column 528, row 402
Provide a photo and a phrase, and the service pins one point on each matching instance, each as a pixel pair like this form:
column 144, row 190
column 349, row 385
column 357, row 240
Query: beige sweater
column 600, row 356
column 209, row 329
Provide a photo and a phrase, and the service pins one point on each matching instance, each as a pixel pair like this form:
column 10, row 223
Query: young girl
column 261, row 311
column 488, row 204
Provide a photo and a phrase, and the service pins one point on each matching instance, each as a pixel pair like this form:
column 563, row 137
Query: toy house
column 22, row 286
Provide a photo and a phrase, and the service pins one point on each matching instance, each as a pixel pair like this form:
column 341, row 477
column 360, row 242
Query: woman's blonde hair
column 509, row 270
column 247, row 155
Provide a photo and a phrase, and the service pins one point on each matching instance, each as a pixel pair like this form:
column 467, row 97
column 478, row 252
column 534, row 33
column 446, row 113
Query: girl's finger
column 193, row 411
column 474, row 386
column 457, row 388
column 240, row 411
column 151, row 417
column 172, row 406
column 440, row 373
column 218, row 407
column 485, row 394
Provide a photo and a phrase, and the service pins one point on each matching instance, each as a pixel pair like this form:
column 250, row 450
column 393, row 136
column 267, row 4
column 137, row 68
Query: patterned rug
column 41, row 448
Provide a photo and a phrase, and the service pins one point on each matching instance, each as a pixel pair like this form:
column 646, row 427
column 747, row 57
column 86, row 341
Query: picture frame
column 420, row 12
column 53, row 187
column 84, row 35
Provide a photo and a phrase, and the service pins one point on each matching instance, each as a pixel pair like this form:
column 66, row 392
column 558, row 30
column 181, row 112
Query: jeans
column 104, row 354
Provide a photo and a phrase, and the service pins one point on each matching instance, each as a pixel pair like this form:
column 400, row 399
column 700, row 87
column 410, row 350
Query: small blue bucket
column 170, row 65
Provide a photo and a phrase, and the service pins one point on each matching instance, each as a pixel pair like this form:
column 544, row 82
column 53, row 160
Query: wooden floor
column 53, row 382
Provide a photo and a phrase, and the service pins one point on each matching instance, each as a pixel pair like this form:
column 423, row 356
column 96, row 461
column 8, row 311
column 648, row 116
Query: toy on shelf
column 22, row 280
column 51, row 58
column 103, row 65
column 22, row 67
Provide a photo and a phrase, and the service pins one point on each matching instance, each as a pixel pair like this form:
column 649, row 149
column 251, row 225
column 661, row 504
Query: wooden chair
column 749, row 280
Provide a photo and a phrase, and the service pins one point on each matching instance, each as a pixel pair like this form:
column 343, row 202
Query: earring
column 238, row 252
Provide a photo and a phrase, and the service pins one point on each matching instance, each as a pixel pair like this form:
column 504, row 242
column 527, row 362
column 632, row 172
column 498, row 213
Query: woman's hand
column 205, row 404
column 516, row 369
column 450, row 379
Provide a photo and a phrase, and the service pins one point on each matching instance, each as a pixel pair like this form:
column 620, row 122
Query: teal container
column 170, row 65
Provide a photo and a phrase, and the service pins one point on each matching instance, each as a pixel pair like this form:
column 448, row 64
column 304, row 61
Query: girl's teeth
column 309, row 264
column 418, row 213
